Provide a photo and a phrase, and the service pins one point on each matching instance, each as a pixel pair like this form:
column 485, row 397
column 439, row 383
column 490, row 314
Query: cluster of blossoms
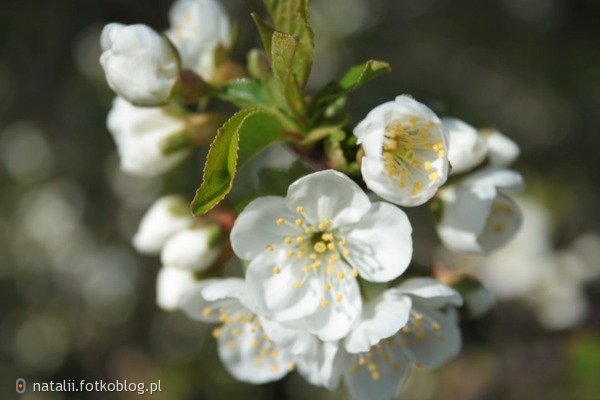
column 324, row 289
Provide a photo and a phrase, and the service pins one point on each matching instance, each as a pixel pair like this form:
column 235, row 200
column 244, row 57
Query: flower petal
column 502, row 151
column 504, row 221
column 192, row 249
column 339, row 308
column 380, row 244
column 273, row 285
column 203, row 301
column 323, row 365
column 467, row 148
column 434, row 293
column 171, row 284
column 256, row 227
column 385, row 384
column 381, row 318
column 496, row 177
column 328, row 195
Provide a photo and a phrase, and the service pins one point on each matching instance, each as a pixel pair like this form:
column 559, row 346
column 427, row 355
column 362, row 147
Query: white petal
column 498, row 178
column 328, row 195
column 249, row 356
column 391, row 375
column 323, row 366
column 276, row 294
column 381, row 318
column 339, row 308
column 203, row 301
column 297, row 341
column 434, row 293
column 193, row 249
column 467, row 147
column 502, row 151
column 434, row 349
column 256, row 227
column 465, row 214
column 380, row 244
column 504, row 221
column 164, row 218
column 171, row 284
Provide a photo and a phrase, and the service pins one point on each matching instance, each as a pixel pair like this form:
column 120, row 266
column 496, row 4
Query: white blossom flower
column 307, row 249
column 429, row 339
column 140, row 64
column 195, row 248
column 245, row 349
column 198, row 27
column 140, row 135
column 167, row 216
column 467, row 147
column 477, row 215
column 171, row 285
column 502, row 151
column 406, row 151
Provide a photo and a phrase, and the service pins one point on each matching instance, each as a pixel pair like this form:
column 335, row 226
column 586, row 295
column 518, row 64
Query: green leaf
column 354, row 78
column 244, row 135
column 291, row 17
column 244, row 93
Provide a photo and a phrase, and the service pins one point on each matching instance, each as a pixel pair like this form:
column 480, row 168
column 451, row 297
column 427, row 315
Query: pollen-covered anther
column 276, row 270
column 300, row 209
column 207, row 311
column 280, row 221
column 324, row 303
column 339, row 298
column 269, row 247
column 320, row 247
column 217, row 332
column 297, row 285
column 298, row 222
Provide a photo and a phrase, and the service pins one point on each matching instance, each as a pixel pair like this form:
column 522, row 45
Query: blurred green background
column 78, row 303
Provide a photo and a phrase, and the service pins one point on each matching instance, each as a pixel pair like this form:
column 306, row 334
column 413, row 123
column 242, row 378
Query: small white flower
column 171, row 285
column 406, row 151
column 307, row 249
column 198, row 27
column 140, row 134
column 247, row 352
column 193, row 249
column 477, row 216
column 429, row 339
column 467, row 147
column 167, row 216
column 502, row 151
column 140, row 64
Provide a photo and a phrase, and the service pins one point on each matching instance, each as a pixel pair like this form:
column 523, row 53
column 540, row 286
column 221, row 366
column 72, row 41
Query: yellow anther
column 207, row 311
column 341, row 275
column 316, row 265
column 313, row 256
column 309, row 230
column 331, row 246
column 280, row 221
column 235, row 332
column 324, row 303
column 328, row 287
column 345, row 252
column 297, row 285
column 274, row 353
column 339, row 298
column 327, row 237
column 269, row 247
column 300, row 209
column 300, row 239
column 288, row 240
column 354, row 272
column 299, row 254
column 433, row 176
column 333, row 259
column 306, row 269
column 436, row 327
column 390, row 144
column 276, row 270
column 216, row 332
column 320, row 247
column 427, row 165
column 362, row 360
column 298, row 222
column 329, row 270
column 417, row 186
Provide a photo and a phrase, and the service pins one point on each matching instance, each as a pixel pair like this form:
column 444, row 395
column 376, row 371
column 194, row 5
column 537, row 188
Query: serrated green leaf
column 291, row 17
column 244, row 93
column 241, row 137
column 354, row 78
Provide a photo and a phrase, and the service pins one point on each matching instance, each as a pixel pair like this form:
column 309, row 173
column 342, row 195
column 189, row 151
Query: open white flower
column 171, row 285
column 140, row 135
column 406, row 151
column 502, row 151
column 247, row 352
column 467, row 147
column 477, row 216
column 428, row 339
column 194, row 249
column 307, row 249
column 167, row 216
column 198, row 27
column 140, row 64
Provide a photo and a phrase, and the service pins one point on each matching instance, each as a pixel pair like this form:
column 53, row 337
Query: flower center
column 409, row 152
column 322, row 251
